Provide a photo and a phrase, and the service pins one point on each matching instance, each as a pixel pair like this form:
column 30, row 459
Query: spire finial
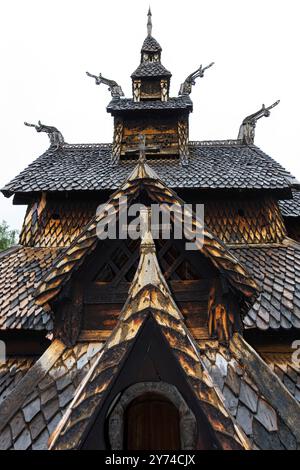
column 149, row 22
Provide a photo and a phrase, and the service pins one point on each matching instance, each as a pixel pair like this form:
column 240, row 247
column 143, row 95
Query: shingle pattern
column 89, row 168
column 35, row 420
column 277, row 271
column 20, row 273
column 258, row 418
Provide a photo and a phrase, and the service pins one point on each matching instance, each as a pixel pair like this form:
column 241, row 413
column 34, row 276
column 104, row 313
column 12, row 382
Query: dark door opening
column 151, row 422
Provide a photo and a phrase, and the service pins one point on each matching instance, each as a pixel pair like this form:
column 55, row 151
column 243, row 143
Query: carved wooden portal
column 152, row 416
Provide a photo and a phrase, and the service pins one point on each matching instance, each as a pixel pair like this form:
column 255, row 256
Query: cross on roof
column 142, row 148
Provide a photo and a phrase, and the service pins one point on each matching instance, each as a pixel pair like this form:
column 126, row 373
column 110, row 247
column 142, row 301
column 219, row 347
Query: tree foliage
column 8, row 237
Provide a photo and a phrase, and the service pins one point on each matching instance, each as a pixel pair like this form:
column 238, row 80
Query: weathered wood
column 161, row 132
column 102, row 335
column 68, row 317
column 270, row 385
column 104, row 293
column 223, row 311
column 94, row 335
column 102, row 317
column 26, row 385
column 218, row 324
column 200, row 332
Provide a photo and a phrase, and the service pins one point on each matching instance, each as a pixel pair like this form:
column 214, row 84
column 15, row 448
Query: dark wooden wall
column 160, row 132
column 106, row 278
column 55, row 222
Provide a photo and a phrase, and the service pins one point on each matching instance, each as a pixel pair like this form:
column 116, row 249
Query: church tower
column 151, row 111
column 140, row 342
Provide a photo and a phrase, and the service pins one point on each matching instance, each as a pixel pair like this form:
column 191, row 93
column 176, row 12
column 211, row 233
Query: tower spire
column 149, row 22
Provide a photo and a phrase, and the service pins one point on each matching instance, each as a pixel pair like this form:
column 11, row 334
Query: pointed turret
column 150, row 45
column 151, row 80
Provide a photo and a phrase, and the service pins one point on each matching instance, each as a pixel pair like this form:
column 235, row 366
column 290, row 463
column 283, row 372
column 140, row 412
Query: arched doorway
column 130, row 411
column 151, row 422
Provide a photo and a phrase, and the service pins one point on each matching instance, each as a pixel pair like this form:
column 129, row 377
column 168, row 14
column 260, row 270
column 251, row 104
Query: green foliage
column 8, row 237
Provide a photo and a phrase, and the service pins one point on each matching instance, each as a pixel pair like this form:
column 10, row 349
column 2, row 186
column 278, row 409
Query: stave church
column 138, row 342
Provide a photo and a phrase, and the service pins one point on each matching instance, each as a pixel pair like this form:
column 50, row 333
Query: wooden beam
column 103, row 335
column 36, row 373
column 94, row 335
column 200, row 333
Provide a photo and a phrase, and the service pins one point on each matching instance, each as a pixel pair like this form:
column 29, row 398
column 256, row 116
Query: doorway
column 151, row 422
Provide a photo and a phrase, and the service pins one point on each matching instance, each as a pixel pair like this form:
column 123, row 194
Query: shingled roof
column 35, row 406
column 143, row 177
column 277, row 270
column 235, row 382
column 291, row 207
column 150, row 45
column 127, row 104
column 286, row 369
column 151, row 69
column 11, row 372
column 21, row 271
column 254, row 395
column 212, row 166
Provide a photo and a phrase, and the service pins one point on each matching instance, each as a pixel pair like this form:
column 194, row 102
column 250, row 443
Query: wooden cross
column 142, row 148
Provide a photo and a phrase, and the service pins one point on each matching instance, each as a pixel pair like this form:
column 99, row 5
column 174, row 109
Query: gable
column 105, row 279
column 149, row 360
column 144, row 179
column 108, row 370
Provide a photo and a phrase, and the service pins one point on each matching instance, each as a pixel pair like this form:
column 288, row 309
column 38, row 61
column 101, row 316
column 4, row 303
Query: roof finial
column 55, row 136
column 149, row 23
column 247, row 129
column 186, row 86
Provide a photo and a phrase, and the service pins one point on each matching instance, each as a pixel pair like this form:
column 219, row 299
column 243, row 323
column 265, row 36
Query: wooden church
column 140, row 343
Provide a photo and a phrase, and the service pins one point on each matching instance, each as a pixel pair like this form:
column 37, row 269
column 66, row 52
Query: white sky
column 46, row 47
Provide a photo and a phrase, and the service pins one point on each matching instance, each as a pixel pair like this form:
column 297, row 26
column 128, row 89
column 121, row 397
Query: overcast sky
column 46, row 47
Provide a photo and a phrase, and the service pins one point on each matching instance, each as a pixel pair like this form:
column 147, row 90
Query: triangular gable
column 148, row 295
column 142, row 177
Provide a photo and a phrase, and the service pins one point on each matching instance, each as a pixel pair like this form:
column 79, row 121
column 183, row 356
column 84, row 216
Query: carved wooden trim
column 164, row 89
column 117, row 141
column 31, row 223
column 136, row 88
column 183, row 141
column 223, row 312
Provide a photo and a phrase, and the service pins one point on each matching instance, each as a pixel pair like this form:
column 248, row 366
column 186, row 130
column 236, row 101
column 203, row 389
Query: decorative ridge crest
column 55, row 136
column 247, row 129
column 115, row 89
